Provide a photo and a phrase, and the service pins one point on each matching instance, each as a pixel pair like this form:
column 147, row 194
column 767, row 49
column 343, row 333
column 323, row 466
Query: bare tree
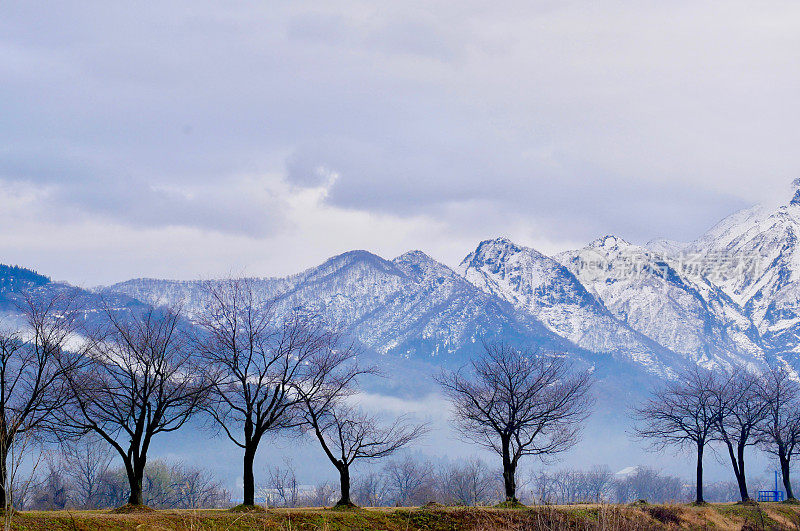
column 282, row 488
column 409, row 481
column 570, row 485
column 347, row 434
column 86, row 462
column 18, row 485
column 722, row 491
column 320, row 496
column 681, row 413
column 164, row 486
column 259, row 361
column 196, row 488
column 544, row 487
column 176, row 485
column 33, row 363
column 158, row 485
column 52, row 491
column 369, row 489
column 598, row 479
column 114, row 488
column 779, row 433
column 519, row 404
column 740, row 410
column 648, row 484
column 138, row 380
column 467, row 483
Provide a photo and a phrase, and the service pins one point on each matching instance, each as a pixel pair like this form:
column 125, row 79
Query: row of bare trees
column 413, row 481
column 735, row 409
column 136, row 373
column 402, row 482
column 34, row 362
column 598, row 484
column 125, row 379
column 297, row 375
column 64, row 483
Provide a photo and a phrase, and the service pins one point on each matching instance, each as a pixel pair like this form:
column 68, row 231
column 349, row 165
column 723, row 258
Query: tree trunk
column 508, row 475
column 787, row 485
column 248, row 478
column 4, row 496
column 740, row 476
column 699, row 499
column 344, row 485
column 510, row 484
column 738, row 463
column 135, row 474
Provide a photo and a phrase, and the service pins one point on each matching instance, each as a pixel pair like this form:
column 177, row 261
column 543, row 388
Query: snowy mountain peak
column 416, row 257
column 643, row 290
column 754, row 257
column 501, row 243
column 357, row 258
column 599, row 253
column 496, row 251
column 547, row 290
column 500, row 266
column 610, row 242
column 358, row 254
column 418, row 264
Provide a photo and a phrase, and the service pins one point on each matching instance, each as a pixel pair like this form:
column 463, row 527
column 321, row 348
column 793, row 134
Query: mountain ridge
column 658, row 306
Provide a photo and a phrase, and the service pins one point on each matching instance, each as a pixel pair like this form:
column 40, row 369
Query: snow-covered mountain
column 732, row 296
column 687, row 315
column 540, row 286
column 188, row 295
column 754, row 257
column 411, row 306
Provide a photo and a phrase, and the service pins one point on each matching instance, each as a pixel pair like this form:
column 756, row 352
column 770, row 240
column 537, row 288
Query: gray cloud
column 79, row 186
column 570, row 118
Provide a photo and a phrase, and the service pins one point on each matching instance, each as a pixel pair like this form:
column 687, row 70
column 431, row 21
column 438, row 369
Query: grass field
column 717, row 516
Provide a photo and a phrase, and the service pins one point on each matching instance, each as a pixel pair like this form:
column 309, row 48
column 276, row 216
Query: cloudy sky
column 203, row 138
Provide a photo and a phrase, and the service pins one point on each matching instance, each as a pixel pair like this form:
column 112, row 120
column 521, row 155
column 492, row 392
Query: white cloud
column 433, row 406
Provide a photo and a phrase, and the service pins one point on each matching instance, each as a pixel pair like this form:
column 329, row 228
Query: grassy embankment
column 578, row 517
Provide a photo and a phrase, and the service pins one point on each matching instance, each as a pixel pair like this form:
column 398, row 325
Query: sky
column 199, row 139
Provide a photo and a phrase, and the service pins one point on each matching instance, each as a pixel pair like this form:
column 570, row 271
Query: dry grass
column 433, row 518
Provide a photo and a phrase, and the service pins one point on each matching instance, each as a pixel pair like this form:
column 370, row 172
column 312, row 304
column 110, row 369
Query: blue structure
column 771, row 495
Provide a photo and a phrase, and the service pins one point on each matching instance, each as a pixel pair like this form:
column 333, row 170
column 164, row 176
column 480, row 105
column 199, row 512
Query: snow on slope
column 666, row 247
column 642, row 289
column 410, row 306
column 189, row 295
column 754, row 257
column 732, row 296
column 540, row 286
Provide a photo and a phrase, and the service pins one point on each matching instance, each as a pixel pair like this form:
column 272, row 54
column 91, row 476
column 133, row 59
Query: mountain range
column 730, row 297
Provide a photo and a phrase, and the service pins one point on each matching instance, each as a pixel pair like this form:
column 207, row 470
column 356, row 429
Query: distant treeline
column 15, row 278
